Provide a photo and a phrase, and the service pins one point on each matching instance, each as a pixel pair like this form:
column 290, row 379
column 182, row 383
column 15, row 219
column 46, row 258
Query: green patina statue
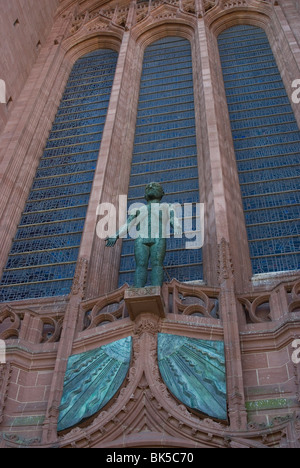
column 151, row 223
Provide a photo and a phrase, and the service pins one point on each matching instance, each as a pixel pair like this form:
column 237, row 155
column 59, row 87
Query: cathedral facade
column 203, row 97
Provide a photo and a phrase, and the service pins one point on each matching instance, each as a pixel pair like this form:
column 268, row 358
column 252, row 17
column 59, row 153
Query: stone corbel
column 148, row 300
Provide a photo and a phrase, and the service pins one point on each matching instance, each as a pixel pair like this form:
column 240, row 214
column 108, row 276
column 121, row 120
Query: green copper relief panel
column 92, row 379
column 194, row 372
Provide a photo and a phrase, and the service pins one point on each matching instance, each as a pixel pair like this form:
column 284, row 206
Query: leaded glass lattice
column 165, row 148
column 267, row 147
column 45, row 249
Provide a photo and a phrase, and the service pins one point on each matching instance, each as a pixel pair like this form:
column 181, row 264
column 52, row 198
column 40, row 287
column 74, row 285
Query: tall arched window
column 165, row 148
column 267, row 147
column 43, row 257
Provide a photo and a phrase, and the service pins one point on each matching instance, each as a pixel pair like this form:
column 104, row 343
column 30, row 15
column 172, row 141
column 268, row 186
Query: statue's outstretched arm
column 111, row 241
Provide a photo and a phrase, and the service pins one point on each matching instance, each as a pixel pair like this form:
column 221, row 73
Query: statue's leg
column 142, row 254
column 157, row 253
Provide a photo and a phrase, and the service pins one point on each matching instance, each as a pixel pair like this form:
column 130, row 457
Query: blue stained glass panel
column 44, row 253
column 267, row 145
column 165, row 149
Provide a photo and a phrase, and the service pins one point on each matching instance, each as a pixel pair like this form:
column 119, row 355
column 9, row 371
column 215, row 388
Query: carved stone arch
column 231, row 13
column 229, row 19
column 76, row 47
column 165, row 20
column 91, row 31
column 259, row 14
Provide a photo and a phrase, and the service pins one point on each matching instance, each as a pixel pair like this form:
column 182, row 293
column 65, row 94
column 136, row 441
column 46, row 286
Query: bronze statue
column 151, row 238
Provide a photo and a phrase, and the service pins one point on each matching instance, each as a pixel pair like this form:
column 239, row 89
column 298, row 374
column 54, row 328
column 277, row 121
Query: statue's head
column 154, row 191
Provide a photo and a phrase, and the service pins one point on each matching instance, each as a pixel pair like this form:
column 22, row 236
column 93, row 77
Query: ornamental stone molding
column 128, row 15
column 5, row 378
column 29, row 325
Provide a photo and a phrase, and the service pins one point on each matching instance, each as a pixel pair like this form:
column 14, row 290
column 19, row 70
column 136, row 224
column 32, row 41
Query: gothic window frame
column 238, row 234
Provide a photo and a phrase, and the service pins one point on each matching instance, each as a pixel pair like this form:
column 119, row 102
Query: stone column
column 229, row 315
column 216, row 208
column 219, row 211
column 64, row 352
column 286, row 50
column 113, row 170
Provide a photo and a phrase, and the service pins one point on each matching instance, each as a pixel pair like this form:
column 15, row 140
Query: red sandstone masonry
column 258, row 355
column 23, row 24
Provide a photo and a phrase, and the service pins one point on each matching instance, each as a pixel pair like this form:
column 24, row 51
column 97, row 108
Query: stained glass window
column 267, row 147
column 165, row 148
column 43, row 257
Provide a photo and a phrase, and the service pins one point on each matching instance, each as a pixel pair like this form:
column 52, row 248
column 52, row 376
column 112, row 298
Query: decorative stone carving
column 193, row 300
column 104, row 20
column 5, row 376
column 158, row 3
column 100, row 25
column 108, row 308
column 270, row 306
column 212, row 8
column 147, row 325
column 225, row 270
column 295, row 298
column 257, row 310
column 189, row 6
column 291, row 434
column 80, row 277
column 209, row 4
column 30, row 325
column 52, row 328
column 142, row 12
column 236, row 3
column 13, row 328
column 124, row 18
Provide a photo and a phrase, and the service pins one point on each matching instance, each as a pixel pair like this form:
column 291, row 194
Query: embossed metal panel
column 92, row 379
column 194, row 372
